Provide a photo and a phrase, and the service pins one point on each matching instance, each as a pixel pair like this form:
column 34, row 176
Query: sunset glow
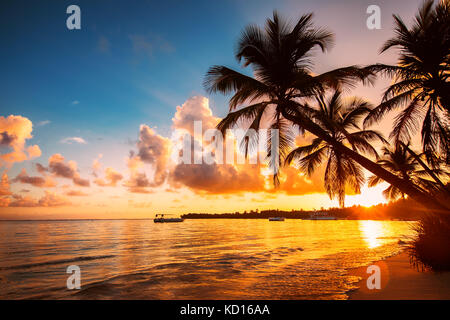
column 215, row 156
column 118, row 163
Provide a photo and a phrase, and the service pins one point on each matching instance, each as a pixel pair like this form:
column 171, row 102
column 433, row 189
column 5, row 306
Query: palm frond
column 248, row 113
column 374, row 180
column 381, row 110
column 308, row 164
column 407, row 122
column 225, row 80
column 299, row 152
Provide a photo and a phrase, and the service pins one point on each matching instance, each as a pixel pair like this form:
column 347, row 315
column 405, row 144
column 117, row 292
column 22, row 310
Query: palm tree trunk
column 371, row 166
column 427, row 169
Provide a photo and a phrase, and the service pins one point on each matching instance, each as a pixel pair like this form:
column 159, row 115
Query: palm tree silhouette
column 421, row 79
column 404, row 164
column 280, row 56
column 339, row 119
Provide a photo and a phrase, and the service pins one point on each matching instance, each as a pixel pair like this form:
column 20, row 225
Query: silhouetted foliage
column 421, row 86
column 431, row 247
column 401, row 210
column 340, row 119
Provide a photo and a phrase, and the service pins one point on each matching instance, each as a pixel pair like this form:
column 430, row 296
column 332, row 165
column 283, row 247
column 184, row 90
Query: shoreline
column 401, row 281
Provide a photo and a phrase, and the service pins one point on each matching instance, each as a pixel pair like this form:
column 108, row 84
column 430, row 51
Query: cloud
column 96, row 165
column 111, row 178
column 153, row 150
column 43, row 123
column 138, row 183
column 218, row 179
column 49, row 199
column 6, row 139
column 204, row 178
column 75, row 102
column 59, row 168
column 81, row 182
column 4, row 185
column 40, row 168
column 70, row 140
column 52, row 200
column 4, row 202
column 36, row 181
column 194, row 109
column 14, row 131
column 34, row 151
column 150, row 44
column 210, row 178
column 76, row 193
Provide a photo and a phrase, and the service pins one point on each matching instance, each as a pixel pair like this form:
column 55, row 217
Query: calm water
column 195, row 259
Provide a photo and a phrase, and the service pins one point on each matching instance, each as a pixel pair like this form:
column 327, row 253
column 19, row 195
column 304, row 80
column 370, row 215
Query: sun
column 368, row 197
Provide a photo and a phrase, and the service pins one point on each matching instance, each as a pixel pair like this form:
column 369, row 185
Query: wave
column 54, row 262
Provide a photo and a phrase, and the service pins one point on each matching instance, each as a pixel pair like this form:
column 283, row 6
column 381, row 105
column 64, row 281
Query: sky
column 80, row 109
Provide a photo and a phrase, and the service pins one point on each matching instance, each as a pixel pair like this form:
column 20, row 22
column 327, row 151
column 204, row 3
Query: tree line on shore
column 403, row 209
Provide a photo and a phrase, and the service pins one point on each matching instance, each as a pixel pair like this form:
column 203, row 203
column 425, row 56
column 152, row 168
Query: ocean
column 194, row 259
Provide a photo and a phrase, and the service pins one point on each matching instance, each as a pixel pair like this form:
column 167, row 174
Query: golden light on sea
column 371, row 231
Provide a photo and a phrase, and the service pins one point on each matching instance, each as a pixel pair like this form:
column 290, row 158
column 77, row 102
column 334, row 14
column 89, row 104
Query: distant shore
column 404, row 210
column 401, row 281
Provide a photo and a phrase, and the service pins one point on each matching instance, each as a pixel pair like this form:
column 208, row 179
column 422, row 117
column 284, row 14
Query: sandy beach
column 401, row 281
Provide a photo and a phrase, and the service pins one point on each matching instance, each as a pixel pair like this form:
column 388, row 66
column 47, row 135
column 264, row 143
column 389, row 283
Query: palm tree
column 404, row 164
column 280, row 56
column 421, row 79
column 339, row 119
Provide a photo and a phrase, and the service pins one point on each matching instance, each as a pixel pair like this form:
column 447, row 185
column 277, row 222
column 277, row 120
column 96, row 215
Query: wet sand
column 401, row 281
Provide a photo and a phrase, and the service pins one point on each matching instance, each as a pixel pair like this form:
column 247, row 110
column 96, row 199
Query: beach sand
column 401, row 281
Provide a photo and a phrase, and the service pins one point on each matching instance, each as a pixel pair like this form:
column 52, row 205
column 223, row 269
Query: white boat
column 276, row 219
column 320, row 215
column 160, row 218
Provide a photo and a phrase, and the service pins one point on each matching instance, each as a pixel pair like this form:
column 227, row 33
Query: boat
column 320, row 215
column 276, row 219
column 160, row 218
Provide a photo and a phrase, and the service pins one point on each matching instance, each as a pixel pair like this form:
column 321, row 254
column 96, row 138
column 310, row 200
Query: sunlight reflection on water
column 196, row 259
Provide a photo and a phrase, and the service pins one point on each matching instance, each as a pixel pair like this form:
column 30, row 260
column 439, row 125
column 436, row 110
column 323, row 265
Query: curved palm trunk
column 373, row 167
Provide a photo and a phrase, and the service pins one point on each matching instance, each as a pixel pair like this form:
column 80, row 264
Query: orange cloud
column 59, row 168
column 96, row 165
column 204, row 178
column 217, row 179
column 36, row 181
column 194, row 109
column 48, row 200
column 34, row 151
column 111, row 177
column 138, row 183
column 14, row 131
column 76, row 193
column 153, row 150
column 4, row 185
